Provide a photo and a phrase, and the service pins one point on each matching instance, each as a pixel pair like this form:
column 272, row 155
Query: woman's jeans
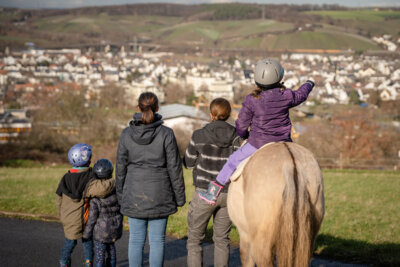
column 69, row 246
column 137, row 239
column 233, row 161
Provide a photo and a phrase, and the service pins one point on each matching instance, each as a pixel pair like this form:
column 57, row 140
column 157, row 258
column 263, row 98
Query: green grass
column 366, row 14
column 362, row 216
column 370, row 22
column 20, row 163
column 360, row 224
column 30, row 190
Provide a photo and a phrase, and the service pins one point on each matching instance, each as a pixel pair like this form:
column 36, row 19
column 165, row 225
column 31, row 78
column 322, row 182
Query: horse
column 277, row 205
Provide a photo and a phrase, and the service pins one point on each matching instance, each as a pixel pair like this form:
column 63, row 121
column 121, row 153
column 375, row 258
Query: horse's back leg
column 261, row 250
column 245, row 253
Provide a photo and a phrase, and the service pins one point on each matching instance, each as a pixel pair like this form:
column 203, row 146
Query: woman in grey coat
column 149, row 180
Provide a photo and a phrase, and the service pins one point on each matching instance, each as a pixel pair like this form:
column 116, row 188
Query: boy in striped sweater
column 208, row 150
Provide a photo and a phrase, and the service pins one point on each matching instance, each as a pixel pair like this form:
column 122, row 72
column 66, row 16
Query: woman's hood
column 144, row 134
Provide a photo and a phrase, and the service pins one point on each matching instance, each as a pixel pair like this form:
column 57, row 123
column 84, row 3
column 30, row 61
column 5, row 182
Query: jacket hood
column 143, row 134
column 221, row 133
column 74, row 184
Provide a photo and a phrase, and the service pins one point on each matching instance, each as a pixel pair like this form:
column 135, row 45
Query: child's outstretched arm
column 93, row 215
column 244, row 118
column 301, row 94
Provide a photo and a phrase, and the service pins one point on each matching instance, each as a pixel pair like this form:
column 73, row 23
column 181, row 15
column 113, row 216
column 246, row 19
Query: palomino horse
column 277, row 204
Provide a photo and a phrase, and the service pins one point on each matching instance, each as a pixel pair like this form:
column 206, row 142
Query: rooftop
column 179, row 110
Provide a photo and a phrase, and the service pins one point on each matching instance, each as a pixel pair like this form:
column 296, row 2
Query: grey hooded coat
column 149, row 178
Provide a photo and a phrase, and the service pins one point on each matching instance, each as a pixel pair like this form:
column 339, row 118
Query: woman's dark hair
column 256, row 92
column 148, row 105
column 220, row 109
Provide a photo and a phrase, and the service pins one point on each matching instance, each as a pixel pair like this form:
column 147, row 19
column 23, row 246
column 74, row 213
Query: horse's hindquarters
column 277, row 205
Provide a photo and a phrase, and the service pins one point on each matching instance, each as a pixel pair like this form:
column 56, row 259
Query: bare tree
column 241, row 92
column 176, row 93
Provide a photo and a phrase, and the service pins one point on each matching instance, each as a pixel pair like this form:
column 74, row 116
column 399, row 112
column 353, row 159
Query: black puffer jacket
column 105, row 221
column 149, row 178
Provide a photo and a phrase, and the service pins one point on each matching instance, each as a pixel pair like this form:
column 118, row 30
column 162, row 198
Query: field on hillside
column 370, row 21
column 104, row 24
column 170, row 29
column 310, row 40
column 360, row 225
column 365, row 14
column 223, row 30
column 306, row 40
column 177, row 32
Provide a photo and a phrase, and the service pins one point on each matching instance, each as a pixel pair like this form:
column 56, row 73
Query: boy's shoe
column 87, row 263
column 65, row 263
column 212, row 193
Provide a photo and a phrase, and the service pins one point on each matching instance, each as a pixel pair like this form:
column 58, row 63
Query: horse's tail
column 297, row 219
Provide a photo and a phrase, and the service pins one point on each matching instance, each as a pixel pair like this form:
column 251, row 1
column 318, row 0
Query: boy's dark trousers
column 69, row 246
column 199, row 215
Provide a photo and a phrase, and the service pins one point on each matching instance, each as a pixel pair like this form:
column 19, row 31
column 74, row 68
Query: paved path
column 37, row 243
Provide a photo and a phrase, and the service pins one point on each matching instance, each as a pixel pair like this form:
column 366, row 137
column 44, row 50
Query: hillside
column 186, row 27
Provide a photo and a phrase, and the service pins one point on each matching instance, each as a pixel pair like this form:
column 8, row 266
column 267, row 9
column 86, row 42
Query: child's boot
column 87, row 263
column 212, row 193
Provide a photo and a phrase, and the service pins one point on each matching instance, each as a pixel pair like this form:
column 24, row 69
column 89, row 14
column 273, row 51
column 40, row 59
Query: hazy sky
column 80, row 3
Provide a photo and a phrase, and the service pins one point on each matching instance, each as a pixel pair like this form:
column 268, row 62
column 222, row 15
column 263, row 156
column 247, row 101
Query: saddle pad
column 240, row 167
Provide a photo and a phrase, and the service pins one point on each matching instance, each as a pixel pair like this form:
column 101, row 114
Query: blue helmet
column 103, row 168
column 79, row 155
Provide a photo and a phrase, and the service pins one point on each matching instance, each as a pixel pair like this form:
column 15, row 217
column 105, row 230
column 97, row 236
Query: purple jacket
column 268, row 116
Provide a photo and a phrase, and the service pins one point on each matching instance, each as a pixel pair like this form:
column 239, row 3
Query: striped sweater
column 208, row 150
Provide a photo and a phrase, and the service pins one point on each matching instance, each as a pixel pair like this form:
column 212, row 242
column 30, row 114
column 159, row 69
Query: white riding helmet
column 268, row 72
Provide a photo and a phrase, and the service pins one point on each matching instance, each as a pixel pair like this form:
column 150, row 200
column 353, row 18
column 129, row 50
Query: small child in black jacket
column 105, row 220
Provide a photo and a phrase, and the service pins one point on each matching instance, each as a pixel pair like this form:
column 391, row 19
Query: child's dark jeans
column 69, row 246
column 101, row 249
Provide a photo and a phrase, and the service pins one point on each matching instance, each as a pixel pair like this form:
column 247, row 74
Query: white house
column 216, row 87
column 388, row 93
column 135, row 89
